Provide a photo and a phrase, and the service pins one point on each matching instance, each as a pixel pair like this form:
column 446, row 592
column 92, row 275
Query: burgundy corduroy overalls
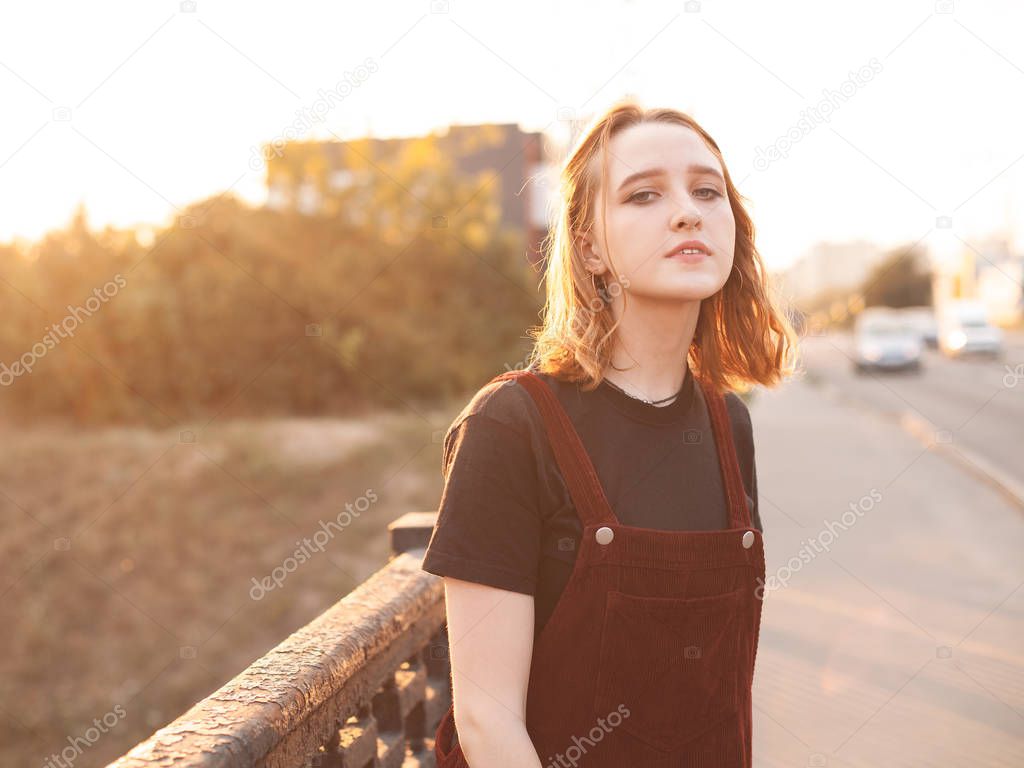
column 648, row 658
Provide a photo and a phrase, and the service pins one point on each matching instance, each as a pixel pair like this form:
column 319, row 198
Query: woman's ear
column 584, row 244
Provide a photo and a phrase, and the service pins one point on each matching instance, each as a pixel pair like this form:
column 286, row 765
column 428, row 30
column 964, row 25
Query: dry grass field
column 128, row 559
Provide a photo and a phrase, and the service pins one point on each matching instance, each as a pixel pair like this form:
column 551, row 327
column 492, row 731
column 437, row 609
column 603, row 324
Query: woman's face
column 665, row 188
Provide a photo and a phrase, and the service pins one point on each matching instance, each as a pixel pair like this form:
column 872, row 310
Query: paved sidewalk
column 903, row 644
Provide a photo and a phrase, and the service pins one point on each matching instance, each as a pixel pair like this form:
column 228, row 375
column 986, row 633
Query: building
column 303, row 174
column 989, row 270
column 830, row 269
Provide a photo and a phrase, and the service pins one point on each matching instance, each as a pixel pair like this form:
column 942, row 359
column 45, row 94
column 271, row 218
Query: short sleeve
column 756, row 511
column 743, row 438
column 488, row 526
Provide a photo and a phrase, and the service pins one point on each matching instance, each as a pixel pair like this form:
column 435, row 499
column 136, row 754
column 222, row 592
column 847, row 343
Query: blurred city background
column 254, row 260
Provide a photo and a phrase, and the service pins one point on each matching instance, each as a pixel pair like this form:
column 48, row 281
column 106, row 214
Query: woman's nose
column 686, row 218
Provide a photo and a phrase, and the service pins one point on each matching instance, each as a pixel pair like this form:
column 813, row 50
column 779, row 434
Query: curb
column 967, row 459
column 930, row 437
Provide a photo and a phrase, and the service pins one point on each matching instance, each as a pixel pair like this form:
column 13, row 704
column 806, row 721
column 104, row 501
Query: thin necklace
column 643, row 399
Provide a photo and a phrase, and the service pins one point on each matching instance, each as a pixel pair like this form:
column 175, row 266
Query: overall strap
column 577, row 469
column 732, row 480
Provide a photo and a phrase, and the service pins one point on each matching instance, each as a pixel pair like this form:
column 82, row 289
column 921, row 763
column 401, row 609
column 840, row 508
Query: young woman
column 598, row 531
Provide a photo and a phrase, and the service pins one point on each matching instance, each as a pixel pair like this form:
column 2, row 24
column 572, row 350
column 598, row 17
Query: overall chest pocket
column 672, row 662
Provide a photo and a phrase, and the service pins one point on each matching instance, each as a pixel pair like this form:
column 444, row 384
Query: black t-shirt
column 506, row 518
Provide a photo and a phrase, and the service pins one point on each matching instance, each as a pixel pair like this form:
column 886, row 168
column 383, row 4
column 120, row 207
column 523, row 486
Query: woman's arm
column 490, row 636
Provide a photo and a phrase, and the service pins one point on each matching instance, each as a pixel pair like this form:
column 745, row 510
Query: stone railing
column 364, row 685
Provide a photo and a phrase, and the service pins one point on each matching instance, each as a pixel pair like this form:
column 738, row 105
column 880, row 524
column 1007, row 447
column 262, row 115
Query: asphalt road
column 979, row 402
column 893, row 624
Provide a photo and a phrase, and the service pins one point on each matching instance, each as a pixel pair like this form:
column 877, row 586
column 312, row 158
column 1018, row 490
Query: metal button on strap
column 604, row 535
column 748, row 539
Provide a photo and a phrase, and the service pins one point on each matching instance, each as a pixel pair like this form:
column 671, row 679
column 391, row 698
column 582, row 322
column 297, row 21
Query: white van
column 964, row 328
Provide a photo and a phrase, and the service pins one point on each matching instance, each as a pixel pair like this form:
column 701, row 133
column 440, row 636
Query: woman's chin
column 692, row 291
column 688, row 286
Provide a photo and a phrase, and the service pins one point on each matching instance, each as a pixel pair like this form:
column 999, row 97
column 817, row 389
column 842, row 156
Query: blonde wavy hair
column 741, row 338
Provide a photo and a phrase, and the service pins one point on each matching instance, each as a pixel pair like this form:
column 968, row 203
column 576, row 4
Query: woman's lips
column 689, row 245
column 688, row 258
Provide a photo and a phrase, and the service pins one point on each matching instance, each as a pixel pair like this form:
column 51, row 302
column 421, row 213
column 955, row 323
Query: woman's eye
column 707, row 193
column 633, row 198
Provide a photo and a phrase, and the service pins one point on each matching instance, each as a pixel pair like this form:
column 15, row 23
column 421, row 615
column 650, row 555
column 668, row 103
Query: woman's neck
column 650, row 349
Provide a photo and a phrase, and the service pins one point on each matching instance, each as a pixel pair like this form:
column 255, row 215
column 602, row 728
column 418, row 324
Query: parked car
column 884, row 340
column 924, row 320
column 964, row 329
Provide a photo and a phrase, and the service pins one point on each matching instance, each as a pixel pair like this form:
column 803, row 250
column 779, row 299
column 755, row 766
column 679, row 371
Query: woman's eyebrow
column 649, row 172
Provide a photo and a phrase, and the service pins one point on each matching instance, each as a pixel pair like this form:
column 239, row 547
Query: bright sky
column 167, row 106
